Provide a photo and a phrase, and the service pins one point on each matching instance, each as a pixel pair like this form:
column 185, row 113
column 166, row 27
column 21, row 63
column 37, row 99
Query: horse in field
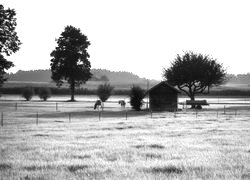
column 122, row 103
column 98, row 104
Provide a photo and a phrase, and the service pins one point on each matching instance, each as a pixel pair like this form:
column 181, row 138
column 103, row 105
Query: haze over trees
column 97, row 75
column 70, row 59
column 194, row 73
column 9, row 41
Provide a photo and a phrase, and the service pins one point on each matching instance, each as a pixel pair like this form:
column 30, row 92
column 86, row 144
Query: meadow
column 72, row 143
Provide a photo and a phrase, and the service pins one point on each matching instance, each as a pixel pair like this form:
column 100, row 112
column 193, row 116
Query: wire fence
column 37, row 112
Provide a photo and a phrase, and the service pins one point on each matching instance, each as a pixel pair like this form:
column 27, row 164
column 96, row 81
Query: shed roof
column 166, row 84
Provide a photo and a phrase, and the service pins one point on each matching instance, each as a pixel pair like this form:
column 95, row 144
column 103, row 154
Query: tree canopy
column 194, row 73
column 9, row 42
column 70, row 59
column 104, row 91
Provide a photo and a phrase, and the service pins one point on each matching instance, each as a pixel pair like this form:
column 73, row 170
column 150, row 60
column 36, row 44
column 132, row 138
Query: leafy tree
column 28, row 93
column 44, row 93
column 104, row 91
column 136, row 97
column 195, row 73
column 9, row 42
column 70, row 59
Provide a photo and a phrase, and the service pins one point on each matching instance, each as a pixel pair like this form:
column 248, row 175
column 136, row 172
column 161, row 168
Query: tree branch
column 181, row 88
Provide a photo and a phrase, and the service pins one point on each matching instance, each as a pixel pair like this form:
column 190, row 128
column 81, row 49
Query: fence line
column 74, row 105
column 12, row 118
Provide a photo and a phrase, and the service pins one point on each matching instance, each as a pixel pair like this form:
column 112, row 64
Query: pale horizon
column 141, row 37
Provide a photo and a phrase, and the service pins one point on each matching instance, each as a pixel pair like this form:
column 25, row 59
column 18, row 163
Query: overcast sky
column 140, row 36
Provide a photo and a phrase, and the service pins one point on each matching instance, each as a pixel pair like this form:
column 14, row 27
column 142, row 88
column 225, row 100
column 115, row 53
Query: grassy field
column 182, row 145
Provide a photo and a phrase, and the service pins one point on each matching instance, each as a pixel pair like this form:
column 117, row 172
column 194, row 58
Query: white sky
column 140, row 36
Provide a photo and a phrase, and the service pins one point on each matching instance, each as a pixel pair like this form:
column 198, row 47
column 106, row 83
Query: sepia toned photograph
column 124, row 90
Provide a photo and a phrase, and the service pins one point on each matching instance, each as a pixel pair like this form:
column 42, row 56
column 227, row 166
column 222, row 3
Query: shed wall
column 163, row 98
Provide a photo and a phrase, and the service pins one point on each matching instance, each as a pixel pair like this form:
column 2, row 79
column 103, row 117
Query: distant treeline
column 86, row 91
column 239, row 78
column 98, row 75
column 60, row 91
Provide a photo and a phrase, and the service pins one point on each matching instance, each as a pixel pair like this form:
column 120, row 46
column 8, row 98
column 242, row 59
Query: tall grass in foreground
column 163, row 147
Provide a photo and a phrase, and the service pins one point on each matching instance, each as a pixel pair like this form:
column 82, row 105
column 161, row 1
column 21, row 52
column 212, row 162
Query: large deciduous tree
column 70, row 59
column 194, row 73
column 9, row 42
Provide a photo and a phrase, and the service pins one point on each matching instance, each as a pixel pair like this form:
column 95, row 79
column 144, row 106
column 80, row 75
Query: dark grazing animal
column 98, row 104
column 122, row 103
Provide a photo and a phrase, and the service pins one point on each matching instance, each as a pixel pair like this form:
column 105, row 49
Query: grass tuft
column 32, row 168
column 5, row 166
column 59, row 121
column 156, row 146
column 81, row 157
column 164, row 170
column 74, row 168
column 139, row 146
column 153, row 156
column 35, row 168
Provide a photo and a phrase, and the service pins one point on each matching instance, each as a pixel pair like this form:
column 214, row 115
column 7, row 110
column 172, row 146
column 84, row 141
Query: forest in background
column 237, row 85
column 98, row 75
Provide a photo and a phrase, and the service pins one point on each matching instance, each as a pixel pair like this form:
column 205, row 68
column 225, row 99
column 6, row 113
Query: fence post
column 69, row 118
column 175, row 113
column 16, row 106
column 2, row 119
column 37, row 118
column 126, row 114
column 99, row 114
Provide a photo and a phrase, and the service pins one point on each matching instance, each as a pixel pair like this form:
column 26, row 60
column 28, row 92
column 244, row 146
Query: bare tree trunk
column 72, row 90
column 192, row 99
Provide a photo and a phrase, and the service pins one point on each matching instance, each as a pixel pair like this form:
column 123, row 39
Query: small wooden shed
column 163, row 97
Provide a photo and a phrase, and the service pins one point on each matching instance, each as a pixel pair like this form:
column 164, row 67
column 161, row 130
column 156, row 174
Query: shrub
column 136, row 97
column 28, row 93
column 44, row 93
column 104, row 91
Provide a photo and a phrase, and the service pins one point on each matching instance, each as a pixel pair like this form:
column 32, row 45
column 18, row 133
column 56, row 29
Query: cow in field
column 122, row 103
